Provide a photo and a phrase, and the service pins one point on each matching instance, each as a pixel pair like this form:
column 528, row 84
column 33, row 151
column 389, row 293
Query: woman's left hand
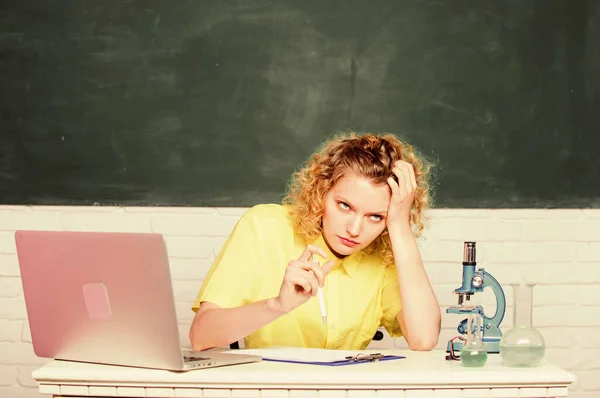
column 403, row 193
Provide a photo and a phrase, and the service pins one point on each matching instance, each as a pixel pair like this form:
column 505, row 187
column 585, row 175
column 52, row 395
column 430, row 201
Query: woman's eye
column 344, row 206
column 376, row 217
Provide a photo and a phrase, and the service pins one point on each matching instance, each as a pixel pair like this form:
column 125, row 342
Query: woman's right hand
column 302, row 279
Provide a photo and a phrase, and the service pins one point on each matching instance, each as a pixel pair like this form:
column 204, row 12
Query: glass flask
column 473, row 353
column 523, row 345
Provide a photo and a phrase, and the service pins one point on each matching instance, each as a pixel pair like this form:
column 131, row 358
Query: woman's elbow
column 423, row 343
column 198, row 343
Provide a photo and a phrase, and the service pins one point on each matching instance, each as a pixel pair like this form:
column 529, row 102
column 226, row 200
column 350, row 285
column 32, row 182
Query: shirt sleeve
column 230, row 279
column 390, row 302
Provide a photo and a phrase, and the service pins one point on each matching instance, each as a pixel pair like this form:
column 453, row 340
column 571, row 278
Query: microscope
column 474, row 281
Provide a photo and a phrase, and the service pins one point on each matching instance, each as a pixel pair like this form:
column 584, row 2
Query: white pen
column 321, row 299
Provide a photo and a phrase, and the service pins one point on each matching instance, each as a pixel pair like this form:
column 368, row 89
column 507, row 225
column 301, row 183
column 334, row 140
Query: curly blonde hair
column 369, row 155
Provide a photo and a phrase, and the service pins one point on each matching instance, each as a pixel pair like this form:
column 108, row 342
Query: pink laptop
column 105, row 297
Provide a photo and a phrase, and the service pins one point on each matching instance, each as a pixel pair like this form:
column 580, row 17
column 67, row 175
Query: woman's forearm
column 214, row 326
column 420, row 314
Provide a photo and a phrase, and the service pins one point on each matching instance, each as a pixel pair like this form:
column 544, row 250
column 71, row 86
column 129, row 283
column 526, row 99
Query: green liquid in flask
column 473, row 358
column 526, row 355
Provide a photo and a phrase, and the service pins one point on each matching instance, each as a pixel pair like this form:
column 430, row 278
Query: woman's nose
column 353, row 226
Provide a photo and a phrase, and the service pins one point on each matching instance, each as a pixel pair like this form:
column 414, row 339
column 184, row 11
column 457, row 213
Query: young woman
column 348, row 226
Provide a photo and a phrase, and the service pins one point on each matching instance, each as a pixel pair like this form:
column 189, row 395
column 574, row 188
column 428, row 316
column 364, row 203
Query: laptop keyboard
column 193, row 358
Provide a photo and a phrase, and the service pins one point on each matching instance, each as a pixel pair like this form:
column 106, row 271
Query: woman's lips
column 347, row 242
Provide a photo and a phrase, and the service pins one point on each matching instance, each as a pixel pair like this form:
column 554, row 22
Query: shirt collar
column 349, row 263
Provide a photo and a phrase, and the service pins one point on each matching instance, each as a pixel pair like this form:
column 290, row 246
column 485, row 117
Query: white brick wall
column 559, row 250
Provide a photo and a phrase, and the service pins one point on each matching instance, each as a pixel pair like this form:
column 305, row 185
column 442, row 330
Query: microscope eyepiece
column 469, row 254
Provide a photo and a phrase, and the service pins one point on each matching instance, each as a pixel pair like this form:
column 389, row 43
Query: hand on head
column 302, row 279
column 403, row 192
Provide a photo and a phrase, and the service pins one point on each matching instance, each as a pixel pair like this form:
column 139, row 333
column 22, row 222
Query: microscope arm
column 492, row 283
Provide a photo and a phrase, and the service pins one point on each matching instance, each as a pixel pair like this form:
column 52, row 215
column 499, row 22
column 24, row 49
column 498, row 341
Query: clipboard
column 348, row 360
column 318, row 356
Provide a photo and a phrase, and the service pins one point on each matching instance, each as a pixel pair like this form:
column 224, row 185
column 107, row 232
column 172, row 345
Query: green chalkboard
column 215, row 103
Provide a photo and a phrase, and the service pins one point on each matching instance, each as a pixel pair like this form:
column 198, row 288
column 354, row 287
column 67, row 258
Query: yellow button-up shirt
column 361, row 294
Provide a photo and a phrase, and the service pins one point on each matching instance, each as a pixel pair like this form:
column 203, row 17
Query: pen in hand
column 321, row 299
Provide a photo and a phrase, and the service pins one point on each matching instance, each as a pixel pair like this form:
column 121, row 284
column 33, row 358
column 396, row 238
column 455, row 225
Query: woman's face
column 354, row 216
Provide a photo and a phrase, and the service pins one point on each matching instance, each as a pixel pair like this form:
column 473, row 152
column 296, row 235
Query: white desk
column 421, row 374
